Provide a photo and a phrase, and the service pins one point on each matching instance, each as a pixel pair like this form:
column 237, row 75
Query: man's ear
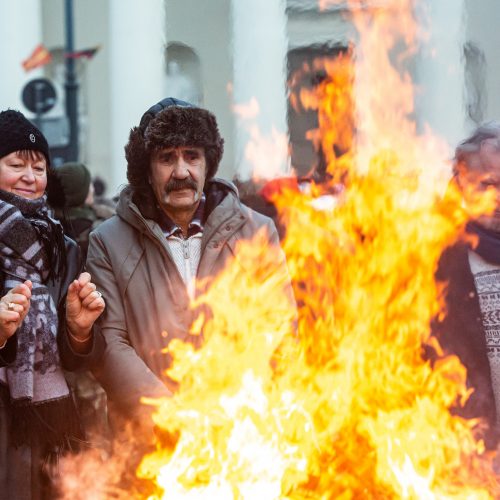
column 461, row 172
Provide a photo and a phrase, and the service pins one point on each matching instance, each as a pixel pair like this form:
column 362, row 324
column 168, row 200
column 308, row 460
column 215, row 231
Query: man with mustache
column 176, row 226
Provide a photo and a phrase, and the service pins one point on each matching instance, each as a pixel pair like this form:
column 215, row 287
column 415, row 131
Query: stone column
column 21, row 32
column 260, row 48
column 137, row 71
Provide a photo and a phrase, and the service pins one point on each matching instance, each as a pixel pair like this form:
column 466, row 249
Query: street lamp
column 71, row 85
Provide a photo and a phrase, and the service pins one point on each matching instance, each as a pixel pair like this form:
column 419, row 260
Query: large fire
column 348, row 408
column 339, row 401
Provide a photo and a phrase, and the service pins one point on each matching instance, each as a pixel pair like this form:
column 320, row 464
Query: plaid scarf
column 32, row 247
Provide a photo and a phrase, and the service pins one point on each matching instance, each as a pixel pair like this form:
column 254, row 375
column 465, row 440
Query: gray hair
column 472, row 145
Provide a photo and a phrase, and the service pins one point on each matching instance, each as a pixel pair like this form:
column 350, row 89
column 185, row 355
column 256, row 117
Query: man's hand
column 84, row 304
column 14, row 306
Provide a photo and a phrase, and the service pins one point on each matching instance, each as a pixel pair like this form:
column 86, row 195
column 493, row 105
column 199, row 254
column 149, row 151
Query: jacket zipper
column 190, row 282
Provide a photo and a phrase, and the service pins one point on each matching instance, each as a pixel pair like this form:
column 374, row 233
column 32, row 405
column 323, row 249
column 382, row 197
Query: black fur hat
column 170, row 122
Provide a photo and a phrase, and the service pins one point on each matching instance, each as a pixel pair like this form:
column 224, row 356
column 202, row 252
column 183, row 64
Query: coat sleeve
column 74, row 361
column 70, row 359
column 282, row 273
column 123, row 374
column 266, row 266
column 9, row 352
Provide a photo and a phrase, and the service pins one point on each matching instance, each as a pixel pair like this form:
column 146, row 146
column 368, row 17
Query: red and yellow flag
column 39, row 57
column 83, row 54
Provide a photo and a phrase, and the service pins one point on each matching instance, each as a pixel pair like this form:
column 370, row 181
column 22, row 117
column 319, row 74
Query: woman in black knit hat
column 47, row 312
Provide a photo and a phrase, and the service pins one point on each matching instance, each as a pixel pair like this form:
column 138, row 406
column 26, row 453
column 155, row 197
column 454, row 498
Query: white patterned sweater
column 487, row 282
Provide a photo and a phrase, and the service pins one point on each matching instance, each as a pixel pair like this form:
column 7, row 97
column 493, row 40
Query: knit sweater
column 487, row 282
column 186, row 253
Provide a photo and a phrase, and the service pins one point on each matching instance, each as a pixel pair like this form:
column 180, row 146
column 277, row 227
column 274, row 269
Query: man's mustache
column 178, row 184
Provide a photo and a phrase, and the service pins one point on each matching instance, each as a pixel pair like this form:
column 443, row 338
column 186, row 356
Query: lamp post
column 71, row 85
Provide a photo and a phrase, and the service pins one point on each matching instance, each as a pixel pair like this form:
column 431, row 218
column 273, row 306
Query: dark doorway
column 304, row 73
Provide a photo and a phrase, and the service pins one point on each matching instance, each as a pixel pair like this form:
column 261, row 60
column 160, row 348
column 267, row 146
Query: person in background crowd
column 260, row 194
column 77, row 210
column 176, row 225
column 47, row 314
column 100, row 189
column 471, row 327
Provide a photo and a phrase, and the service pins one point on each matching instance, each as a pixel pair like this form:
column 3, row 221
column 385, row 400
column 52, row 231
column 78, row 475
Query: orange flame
column 351, row 409
column 343, row 405
column 267, row 154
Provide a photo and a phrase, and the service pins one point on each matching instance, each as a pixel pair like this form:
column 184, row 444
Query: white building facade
column 234, row 57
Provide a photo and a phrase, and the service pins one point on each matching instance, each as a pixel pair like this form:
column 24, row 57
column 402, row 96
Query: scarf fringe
column 55, row 424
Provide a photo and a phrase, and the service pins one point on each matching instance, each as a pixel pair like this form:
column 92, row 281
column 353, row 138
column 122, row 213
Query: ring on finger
column 99, row 294
column 10, row 306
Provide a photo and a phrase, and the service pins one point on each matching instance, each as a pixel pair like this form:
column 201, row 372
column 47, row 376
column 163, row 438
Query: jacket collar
column 216, row 191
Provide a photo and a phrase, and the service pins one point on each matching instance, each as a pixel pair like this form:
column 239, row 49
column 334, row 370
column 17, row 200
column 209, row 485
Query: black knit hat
column 17, row 133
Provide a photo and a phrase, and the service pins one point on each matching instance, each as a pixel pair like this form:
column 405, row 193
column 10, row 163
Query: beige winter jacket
column 147, row 304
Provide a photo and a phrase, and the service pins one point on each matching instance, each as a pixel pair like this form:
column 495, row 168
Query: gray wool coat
column 147, row 304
